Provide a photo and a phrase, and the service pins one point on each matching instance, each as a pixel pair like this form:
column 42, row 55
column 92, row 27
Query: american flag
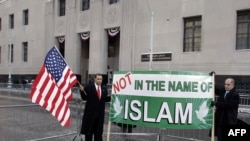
column 52, row 87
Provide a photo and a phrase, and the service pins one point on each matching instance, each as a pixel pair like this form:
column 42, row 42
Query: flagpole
column 60, row 54
column 151, row 36
column 108, row 132
column 81, row 88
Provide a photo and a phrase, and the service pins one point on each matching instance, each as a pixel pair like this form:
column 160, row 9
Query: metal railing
column 30, row 122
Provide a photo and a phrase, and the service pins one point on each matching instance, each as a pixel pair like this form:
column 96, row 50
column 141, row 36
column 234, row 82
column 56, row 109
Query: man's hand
column 212, row 104
column 81, row 87
column 212, row 73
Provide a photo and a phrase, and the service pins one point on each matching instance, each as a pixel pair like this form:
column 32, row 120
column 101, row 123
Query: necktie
column 98, row 92
column 225, row 95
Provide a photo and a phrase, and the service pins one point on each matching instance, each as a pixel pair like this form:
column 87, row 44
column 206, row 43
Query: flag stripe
column 64, row 86
column 50, row 98
column 34, row 94
column 47, row 97
column 66, row 120
column 60, row 109
column 44, row 89
column 61, row 115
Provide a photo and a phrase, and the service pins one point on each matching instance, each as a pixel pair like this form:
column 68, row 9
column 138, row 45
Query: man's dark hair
column 98, row 74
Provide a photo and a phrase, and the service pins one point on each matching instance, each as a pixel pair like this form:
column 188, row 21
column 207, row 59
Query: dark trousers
column 96, row 137
column 220, row 133
column 127, row 129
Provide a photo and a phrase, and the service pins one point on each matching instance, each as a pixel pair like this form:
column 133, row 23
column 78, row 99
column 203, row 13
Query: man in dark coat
column 226, row 108
column 95, row 95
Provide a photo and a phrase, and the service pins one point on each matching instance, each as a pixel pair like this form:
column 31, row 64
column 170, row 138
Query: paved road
column 21, row 120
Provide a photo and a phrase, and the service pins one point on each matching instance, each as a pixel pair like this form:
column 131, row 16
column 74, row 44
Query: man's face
column 228, row 85
column 98, row 80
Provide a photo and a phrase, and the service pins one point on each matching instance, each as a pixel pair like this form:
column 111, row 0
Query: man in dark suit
column 95, row 95
column 226, row 108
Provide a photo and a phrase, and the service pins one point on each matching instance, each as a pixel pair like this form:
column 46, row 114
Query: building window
column 113, row 1
column 62, row 7
column 243, row 30
column 25, row 51
column 11, row 21
column 0, row 54
column 10, row 54
column 0, row 24
column 61, row 47
column 85, row 5
column 192, row 34
column 25, row 17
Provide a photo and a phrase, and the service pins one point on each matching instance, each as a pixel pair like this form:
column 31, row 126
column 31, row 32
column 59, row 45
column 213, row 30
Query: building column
column 98, row 51
column 127, row 35
column 72, row 43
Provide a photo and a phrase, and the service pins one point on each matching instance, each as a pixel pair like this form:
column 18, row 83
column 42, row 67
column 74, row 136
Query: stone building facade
column 102, row 36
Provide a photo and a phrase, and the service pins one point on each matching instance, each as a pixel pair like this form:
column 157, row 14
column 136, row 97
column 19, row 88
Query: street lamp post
column 151, row 37
column 9, row 61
